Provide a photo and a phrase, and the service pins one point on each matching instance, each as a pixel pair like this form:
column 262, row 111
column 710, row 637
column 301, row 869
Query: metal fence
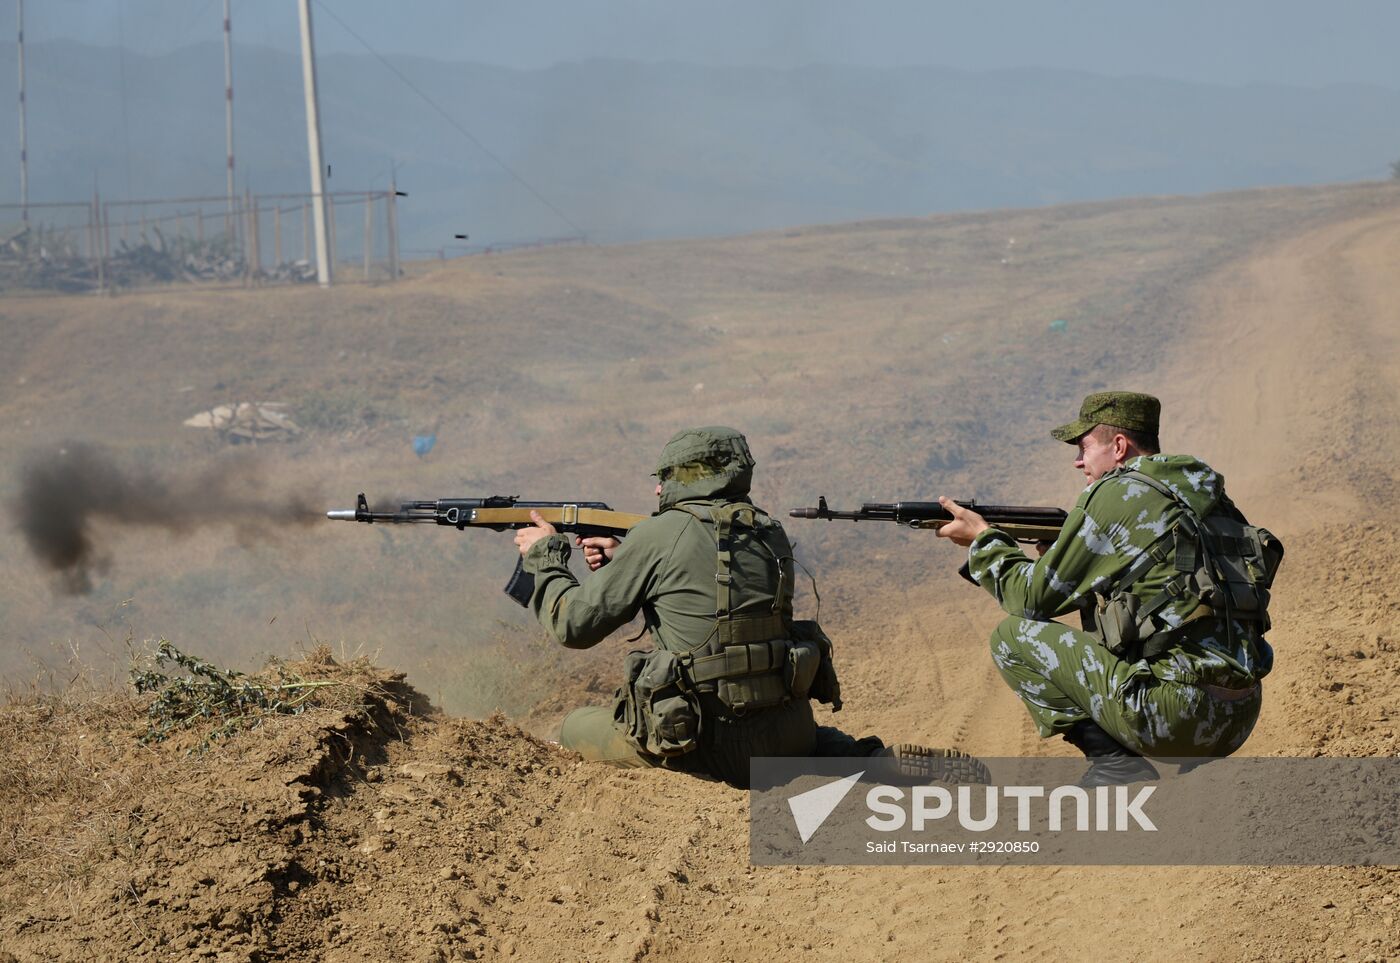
column 99, row 245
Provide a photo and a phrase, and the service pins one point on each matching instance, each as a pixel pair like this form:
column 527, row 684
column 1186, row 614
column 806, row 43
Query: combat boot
column 920, row 764
column 1110, row 762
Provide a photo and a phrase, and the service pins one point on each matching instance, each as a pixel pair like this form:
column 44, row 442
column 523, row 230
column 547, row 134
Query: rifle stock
column 499, row 513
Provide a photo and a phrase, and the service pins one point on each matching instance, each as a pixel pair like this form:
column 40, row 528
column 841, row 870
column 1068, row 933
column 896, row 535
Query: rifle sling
column 566, row 516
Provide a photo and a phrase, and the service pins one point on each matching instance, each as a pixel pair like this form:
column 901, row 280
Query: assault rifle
column 1025, row 524
column 499, row 513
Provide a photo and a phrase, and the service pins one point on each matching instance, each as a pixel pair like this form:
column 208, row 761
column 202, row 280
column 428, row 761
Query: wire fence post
column 330, row 230
column 247, row 236
column 276, row 236
column 369, row 233
column 92, row 230
column 391, row 223
column 100, row 213
column 255, row 228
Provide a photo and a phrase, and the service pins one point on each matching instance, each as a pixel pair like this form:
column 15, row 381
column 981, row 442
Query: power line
column 449, row 118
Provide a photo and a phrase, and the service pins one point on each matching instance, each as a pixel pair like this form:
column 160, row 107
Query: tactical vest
column 757, row 656
column 1221, row 563
column 750, row 661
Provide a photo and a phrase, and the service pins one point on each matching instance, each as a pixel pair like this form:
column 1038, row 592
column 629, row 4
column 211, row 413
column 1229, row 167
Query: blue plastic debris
column 422, row 444
column 1059, row 324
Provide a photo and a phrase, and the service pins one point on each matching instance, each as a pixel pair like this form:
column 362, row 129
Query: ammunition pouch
column 755, row 675
column 656, row 707
column 803, row 661
column 825, row 687
column 745, row 676
column 1116, row 622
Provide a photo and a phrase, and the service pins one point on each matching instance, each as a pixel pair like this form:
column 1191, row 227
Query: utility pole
column 313, row 143
column 23, row 134
column 391, row 222
column 228, row 103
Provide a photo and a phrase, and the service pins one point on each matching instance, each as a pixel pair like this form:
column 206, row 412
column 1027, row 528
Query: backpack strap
column 1196, row 551
column 731, row 630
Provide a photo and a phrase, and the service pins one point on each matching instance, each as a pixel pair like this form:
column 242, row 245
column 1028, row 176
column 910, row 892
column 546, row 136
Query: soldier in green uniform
column 1172, row 583
column 731, row 675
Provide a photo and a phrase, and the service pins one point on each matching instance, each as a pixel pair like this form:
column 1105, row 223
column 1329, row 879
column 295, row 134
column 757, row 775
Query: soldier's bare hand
column 525, row 537
column 597, row 550
column 965, row 526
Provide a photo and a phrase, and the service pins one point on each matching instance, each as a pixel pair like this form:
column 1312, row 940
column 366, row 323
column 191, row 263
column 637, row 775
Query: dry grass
column 81, row 765
column 189, row 693
column 73, row 767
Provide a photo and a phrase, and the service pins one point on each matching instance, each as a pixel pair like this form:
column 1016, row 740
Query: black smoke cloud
column 62, row 495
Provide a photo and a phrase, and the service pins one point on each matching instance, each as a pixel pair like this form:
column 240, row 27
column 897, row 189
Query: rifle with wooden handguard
column 500, row 513
column 1021, row 522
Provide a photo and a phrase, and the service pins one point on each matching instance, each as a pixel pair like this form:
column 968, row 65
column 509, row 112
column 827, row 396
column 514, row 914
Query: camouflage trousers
column 1064, row 676
column 727, row 743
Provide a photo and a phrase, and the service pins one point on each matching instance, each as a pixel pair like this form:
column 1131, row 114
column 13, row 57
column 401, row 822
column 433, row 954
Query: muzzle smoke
column 63, row 494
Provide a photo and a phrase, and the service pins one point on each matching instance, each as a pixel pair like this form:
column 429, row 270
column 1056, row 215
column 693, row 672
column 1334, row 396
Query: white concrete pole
column 23, row 132
column 313, row 143
column 228, row 102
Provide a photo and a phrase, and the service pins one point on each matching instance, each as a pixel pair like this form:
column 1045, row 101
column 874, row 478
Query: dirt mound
column 369, row 830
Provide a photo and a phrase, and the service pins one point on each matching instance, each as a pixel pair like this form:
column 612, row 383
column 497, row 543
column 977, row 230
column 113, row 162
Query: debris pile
column 48, row 259
column 248, row 421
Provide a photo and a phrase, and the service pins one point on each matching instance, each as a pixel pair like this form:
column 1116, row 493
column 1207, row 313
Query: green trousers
column 1064, row 676
column 727, row 743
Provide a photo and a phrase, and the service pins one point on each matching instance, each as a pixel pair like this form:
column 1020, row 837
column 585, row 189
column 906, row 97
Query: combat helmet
column 709, row 462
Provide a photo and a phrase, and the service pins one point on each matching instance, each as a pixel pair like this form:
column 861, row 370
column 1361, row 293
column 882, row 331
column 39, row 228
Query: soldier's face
column 1096, row 457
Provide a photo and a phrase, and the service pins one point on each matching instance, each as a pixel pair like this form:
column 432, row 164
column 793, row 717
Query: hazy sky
column 1304, row 42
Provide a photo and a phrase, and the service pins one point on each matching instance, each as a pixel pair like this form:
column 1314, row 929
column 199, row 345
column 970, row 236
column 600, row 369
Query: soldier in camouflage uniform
column 1187, row 682
column 706, row 604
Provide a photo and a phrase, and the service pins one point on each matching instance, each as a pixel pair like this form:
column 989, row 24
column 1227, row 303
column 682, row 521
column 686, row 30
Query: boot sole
column 923, row 764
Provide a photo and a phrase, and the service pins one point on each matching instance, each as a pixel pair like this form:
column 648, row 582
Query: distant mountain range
column 628, row 151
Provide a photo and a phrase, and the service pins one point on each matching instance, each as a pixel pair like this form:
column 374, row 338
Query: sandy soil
column 345, row 837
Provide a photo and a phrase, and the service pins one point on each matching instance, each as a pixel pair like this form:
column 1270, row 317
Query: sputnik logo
column 811, row 808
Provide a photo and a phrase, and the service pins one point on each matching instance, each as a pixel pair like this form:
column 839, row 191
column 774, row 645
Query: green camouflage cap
column 1121, row 409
